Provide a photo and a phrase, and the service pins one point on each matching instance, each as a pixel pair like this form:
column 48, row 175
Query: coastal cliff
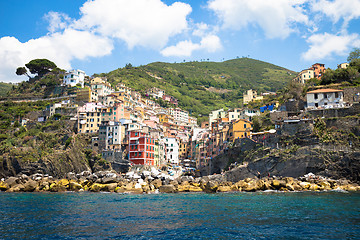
column 326, row 147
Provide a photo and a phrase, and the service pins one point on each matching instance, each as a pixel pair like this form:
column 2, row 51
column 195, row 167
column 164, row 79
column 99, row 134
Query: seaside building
column 239, row 129
column 141, row 148
column 111, row 135
column 172, row 150
column 89, row 117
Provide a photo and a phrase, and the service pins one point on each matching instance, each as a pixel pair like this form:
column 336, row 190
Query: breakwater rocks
column 155, row 181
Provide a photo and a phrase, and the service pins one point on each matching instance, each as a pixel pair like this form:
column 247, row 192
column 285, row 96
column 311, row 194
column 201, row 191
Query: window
column 244, row 125
column 315, row 96
column 336, row 95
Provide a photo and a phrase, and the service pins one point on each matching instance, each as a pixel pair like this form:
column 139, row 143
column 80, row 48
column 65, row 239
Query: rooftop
column 326, row 90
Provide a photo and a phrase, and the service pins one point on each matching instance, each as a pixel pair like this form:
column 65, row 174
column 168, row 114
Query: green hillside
column 4, row 88
column 204, row 86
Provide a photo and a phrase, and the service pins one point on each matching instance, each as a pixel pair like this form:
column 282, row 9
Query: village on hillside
column 131, row 128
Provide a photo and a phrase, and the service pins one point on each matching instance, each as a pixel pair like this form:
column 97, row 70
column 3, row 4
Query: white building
column 233, row 114
column 155, row 93
column 102, row 89
column 74, row 77
column 171, row 150
column 304, row 76
column 179, row 115
column 215, row 115
column 325, row 98
column 248, row 114
column 111, row 135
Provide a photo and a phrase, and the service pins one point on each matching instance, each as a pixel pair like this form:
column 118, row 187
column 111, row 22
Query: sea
column 258, row 215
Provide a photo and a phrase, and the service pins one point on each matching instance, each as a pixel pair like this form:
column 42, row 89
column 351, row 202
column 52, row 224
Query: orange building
column 239, row 129
column 319, row 70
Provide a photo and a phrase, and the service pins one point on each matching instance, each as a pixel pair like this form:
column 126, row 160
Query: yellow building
column 239, row 129
column 89, row 122
column 163, row 117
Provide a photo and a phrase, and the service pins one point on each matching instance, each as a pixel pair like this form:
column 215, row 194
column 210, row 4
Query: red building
column 141, row 148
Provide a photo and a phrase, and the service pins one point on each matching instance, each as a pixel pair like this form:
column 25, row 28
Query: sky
column 102, row 35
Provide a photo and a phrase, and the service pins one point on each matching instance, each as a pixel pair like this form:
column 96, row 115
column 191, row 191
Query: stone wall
column 336, row 112
column 350, row 94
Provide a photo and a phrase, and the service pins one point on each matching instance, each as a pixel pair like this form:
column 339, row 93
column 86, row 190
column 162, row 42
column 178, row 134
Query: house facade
column 74, row 77
column 141, row 148
column 325, row 98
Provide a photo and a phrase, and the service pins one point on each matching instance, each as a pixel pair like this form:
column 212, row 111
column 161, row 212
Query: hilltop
column 204, row 86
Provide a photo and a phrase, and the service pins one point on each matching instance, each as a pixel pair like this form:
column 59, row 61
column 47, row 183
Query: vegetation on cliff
column 202, row 87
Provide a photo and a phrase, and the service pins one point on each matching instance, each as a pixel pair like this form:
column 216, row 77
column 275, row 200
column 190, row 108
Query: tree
column 22, row 71
column 128, row 66
column 40, row 66
column 354, row 54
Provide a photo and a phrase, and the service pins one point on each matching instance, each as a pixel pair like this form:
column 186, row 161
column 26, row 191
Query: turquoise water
column 303, row 215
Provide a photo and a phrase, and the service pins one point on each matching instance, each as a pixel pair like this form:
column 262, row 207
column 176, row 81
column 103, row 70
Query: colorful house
column 239, row 129
column 141, row 148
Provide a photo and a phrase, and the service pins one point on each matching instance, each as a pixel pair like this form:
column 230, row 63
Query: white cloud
column 326, row 45
column 57, row 21
column 338, row 9
column 60, row 48
column 275, row 17
column 210, row 43
column 148, row 23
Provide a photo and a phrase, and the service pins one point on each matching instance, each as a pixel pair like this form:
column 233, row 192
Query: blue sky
column 102, row 35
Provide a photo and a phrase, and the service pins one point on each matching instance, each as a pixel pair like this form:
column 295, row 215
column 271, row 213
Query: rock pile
column 154, row 181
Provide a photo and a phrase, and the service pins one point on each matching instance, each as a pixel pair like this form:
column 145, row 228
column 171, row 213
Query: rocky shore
column 155, row 181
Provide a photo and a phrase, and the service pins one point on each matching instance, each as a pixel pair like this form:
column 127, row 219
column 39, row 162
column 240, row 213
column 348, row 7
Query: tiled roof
column 327, row 90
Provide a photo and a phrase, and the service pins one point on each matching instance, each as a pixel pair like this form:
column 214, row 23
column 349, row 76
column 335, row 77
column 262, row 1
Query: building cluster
column 315, row 71
column 126, row 125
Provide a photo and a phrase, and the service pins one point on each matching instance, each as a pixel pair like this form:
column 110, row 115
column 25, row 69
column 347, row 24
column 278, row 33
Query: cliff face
column 75, row 158
column 327, row 147
column 319, row 160
column 48, row 149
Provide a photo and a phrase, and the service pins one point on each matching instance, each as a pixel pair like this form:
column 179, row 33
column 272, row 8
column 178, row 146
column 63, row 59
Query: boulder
column 3, row 186
column 110, row 179
column 30, row 185
column 110, row 187
column 325, row 185
column 16, row 188
column 97, row 187
column 167, row 189
column 250, row 186
column 157, row 183
column 193, row 188
column 277, row 184
column 211, row 186
column 183, row 187
column 224, row 189
column 12, row 181
column 74, row 186
column 305, row 185
column 313, row 187
column 290, row 187
column 56, row 187
column 64, row 182
column 71, row 175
